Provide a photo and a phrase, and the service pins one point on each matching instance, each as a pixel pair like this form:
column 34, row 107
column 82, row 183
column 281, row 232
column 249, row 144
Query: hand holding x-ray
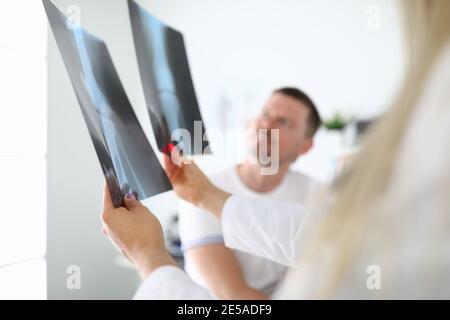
column 192, row 185
column 135, row 232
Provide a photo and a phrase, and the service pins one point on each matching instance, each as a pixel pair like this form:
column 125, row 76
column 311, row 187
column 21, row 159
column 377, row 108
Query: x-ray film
column 126, row 157
column 167, row 84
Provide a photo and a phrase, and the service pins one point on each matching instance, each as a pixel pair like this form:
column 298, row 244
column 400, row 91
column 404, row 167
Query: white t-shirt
column 199, row 228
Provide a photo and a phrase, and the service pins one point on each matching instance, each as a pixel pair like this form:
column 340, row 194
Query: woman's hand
column 191, row 184
column 136, row 232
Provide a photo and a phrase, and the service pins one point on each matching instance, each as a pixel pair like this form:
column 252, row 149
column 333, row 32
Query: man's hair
column 314, row 121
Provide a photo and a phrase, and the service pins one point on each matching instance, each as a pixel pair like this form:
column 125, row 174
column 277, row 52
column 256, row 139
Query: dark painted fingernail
column 130, row 196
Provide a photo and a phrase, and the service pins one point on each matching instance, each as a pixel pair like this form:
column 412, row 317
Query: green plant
column 336, row 122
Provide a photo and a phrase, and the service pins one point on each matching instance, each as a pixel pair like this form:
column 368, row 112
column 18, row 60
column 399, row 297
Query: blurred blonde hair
column 358, row 190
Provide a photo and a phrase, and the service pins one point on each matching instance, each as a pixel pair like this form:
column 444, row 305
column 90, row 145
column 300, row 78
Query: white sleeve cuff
column 230, row 211
column 251, row 225
column 170, row 283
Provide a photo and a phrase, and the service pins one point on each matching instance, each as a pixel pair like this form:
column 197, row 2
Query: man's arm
column 222, row 273
column 248, row 225
column 170, row 283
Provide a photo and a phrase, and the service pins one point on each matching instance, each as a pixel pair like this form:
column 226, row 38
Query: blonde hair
column 358, row 191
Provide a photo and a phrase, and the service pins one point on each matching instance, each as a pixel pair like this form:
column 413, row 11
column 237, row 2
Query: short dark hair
column 314, row 121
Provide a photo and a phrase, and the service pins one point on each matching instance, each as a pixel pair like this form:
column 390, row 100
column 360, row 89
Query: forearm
column 170, row 283
column 213, row 199
column 222, row 273
column 147, row 262
column 233, row 288
column 242, row 293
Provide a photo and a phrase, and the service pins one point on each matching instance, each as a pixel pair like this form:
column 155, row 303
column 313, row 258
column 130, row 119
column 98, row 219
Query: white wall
column 239, row 51
column 338, row 51
column 23, row 145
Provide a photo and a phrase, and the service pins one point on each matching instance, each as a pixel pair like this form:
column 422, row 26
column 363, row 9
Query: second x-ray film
column 167, row 84
column 126, row 157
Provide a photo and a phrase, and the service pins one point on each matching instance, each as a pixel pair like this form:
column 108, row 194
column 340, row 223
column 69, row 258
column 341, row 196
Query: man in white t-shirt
column 232, row 274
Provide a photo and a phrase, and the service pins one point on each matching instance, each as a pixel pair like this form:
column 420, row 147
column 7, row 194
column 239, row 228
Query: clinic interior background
column 346, row 54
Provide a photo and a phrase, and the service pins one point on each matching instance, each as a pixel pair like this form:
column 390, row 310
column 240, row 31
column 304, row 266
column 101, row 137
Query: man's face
column 290, row 117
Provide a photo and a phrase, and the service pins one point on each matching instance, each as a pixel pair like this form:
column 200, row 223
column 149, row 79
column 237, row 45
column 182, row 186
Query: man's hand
column 136, row 232
column 188, row 181
column 191, row 184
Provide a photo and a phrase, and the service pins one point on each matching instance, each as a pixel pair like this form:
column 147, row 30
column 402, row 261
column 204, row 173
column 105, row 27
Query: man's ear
column 307, row 145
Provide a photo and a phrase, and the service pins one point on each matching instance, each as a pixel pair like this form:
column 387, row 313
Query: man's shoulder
column 218, row 178
column 197, row 227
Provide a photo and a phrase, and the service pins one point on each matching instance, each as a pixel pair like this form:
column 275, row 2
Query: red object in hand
column 168, row 149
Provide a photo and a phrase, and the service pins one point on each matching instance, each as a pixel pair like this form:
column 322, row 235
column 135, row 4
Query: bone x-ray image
column 167, row 84
column 126, row 157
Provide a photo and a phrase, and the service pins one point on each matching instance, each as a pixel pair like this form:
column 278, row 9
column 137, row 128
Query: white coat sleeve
column 262, row 227
column 170, row 283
